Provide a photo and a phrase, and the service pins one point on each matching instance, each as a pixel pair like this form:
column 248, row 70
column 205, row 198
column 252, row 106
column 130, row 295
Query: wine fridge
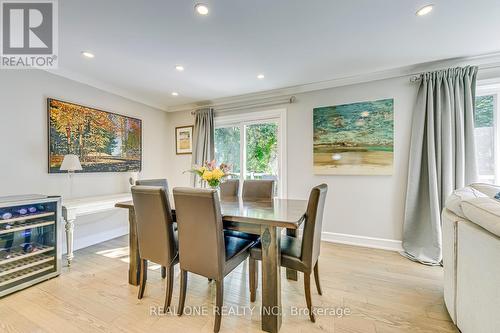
column 30, row 239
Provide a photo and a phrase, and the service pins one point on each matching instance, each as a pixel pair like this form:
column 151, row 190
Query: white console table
column 73, row 208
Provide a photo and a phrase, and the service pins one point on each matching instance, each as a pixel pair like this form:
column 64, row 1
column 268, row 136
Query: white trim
column 485, row 62
column 364, row 241
column 249, row 117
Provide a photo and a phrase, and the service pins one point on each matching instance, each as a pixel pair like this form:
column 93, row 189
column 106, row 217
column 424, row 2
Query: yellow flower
column 207, row 175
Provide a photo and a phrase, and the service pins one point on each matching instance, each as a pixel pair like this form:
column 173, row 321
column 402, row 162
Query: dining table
column 268, row 219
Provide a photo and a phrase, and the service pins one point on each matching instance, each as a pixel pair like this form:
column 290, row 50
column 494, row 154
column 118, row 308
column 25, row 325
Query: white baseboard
column 372, row 242
column 83, row 241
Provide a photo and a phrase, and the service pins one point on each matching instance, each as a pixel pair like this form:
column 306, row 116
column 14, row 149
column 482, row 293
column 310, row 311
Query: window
column 253, row 144
column 486, row 134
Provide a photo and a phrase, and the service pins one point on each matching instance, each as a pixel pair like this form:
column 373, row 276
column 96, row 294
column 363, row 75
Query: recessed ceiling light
column 88, row 54
column 201, row 8
column 180, row 68
column 260, row 76
column 425, row 10
column 175, row 94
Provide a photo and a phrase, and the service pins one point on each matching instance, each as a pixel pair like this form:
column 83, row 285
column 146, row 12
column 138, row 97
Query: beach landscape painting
column 354, row 139
column 104, row 141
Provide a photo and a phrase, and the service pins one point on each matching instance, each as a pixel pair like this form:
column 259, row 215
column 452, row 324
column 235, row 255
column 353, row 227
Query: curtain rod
column 288, row 100
column 417, row 76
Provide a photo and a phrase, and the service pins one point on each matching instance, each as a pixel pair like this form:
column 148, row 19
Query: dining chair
column 163, row 183
column 257, row 189
column 156, row 236
column 300, row 255
column 203, row 248
column 229, row 189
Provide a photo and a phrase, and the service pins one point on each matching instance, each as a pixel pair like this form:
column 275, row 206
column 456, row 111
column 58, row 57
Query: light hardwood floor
column 383, row 291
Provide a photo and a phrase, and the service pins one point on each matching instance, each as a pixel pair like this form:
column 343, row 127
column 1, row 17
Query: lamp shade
column 70, row 163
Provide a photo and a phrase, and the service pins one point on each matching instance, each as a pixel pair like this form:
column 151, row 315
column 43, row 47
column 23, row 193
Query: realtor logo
column 29, row 34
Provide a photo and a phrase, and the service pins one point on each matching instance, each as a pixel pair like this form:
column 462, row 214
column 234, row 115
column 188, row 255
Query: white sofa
column 471, row 258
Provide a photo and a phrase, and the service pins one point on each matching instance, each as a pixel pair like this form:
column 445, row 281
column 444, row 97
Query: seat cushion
column 235, row 245
column 237, row 250
column 239, row 234
column 291, row 249
column 454, row 201
column 484, row 212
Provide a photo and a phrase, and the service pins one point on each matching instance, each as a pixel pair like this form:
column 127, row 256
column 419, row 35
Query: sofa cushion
column 487, row 189
column 484, row 212
column 454, row 201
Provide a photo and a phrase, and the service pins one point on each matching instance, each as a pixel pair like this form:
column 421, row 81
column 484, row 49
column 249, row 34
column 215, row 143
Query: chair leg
column 253, row 273
column 182, row 294
column 142, row 277
column 168, row 288
column 163, row 272
column 316, row 278
column 219, row 300
column 307, row 291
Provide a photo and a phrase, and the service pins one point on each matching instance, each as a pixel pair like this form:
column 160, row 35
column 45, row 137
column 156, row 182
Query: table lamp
column 70, row 163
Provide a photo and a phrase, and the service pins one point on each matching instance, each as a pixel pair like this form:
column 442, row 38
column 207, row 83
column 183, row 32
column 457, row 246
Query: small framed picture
column 184, row 140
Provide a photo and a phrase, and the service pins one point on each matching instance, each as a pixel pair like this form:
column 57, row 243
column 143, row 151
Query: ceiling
column 138, row 43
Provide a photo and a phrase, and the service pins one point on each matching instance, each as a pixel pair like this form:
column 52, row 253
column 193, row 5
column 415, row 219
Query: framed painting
column 184, row 140
column 104, row 141
column 354, row 139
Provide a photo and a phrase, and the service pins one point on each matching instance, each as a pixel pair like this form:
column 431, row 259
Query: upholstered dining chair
column 257, row 189
column 229, row 189
column 203, row 248
column 300, row 255
column 162, row 182
column 156, row 236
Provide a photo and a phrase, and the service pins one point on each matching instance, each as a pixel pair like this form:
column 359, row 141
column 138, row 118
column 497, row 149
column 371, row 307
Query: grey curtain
column 442, row 157
column 203, row 138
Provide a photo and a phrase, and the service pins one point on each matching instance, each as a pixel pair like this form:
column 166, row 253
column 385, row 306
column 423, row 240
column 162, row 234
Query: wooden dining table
column 264, row 218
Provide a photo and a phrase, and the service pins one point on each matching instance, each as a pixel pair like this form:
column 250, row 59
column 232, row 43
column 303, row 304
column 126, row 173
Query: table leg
column 133, row 245
column 291, row 274
column 69, row 227
column 271, row 279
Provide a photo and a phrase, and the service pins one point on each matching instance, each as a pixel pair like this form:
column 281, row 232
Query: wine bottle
column 32, row 209
column 21, row 211
column 4, row 215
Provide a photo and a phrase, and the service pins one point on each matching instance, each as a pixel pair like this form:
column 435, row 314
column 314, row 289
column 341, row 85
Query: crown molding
column 484, row 61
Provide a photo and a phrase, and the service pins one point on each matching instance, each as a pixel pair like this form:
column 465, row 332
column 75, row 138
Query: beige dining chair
column 257, row 190
column 163, row 183
column 203, row 248
column 229, row 189
column 156, row 236
column 300, row 255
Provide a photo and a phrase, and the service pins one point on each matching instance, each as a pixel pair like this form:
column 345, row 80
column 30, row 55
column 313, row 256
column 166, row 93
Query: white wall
column 363, row 206
column 23, row 145
column 369, row 206
column 178, row 163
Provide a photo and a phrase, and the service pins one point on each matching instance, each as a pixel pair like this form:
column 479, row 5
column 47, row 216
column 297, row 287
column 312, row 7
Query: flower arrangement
column 211, row 173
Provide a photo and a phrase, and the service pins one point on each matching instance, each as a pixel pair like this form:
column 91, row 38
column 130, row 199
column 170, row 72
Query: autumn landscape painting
column 354, row 139
column 104, row 141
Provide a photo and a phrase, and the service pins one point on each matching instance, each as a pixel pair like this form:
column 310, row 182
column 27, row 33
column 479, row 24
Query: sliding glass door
column 253, row 146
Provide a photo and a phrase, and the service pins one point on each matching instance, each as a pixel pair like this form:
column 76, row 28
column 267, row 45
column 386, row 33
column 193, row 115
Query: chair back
column 255, row 190
column 155, row 231
column 158, row 182
column 311, row 239
column 230, row 188
column 201, row 235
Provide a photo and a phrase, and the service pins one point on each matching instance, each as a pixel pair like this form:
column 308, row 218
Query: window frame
column 242, row 120
column 485, row 90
